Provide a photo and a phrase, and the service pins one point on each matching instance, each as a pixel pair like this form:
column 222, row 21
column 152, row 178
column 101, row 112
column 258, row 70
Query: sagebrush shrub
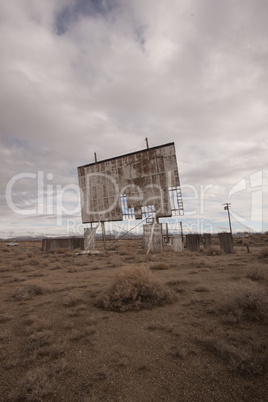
column 212, row 251
column 256, row 273
column 39, row 339
column 248, row 300
column 55, row 266
column 36, row 385
column 263, row 253
column 201, row 288
column 33, row 262
column 135, row 288
column 72, row 299
column 30, row 290
column 123, row 250
column 246, row 361
column 160, row 266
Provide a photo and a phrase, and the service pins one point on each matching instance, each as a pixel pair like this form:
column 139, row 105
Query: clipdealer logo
column 49, row 199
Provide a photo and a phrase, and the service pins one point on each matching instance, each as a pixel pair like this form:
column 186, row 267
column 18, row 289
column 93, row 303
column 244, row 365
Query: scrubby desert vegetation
column 125, row 326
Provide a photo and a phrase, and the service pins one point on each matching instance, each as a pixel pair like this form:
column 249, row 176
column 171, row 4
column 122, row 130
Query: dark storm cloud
column 72, row 12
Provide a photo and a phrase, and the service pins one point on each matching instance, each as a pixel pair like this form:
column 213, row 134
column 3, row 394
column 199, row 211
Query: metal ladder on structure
column 179, row 201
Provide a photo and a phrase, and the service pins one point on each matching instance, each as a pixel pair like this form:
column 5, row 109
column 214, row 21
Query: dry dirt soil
column 208, row 343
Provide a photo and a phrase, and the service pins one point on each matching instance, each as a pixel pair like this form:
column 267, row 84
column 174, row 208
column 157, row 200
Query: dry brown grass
column 59, row 333
column 123, row 250
column 251, row 359
column 115, row 261
column 72, row 299
column 78, row 334
column 55, row 266
column 17, row 279
column 71, row 270
column 193, row 272
column 82, row 262
column 36, row 385
column 212, row 251
column 64, row 251
column 159, row 266
column 44, row 263
column 4, row 318
column 29, row 290
column 33, row 261
column 40, row 338
column 263, row 253
column 247, row 300
column 256, row 272
column 201, row 288
column 134, row 289
column 37, row 274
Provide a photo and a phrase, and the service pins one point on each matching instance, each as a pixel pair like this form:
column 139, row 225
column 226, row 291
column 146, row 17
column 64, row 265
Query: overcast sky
column 85, row 76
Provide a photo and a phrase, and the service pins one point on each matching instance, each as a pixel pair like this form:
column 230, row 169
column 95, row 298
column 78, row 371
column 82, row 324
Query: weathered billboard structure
column 131, row 186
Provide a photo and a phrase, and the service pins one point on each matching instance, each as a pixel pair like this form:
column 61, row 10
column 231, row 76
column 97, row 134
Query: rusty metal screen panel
column 125, row 185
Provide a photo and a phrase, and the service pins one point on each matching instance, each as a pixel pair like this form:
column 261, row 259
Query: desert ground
column 125, row 326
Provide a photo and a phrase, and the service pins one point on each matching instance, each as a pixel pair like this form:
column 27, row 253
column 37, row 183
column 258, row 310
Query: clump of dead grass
column 5, row 318
column 201, row 288
column 263, row 253
column 33, row 261
column 45, row 264
column 16, row 279
column 246, row 360
column 65, row 251
column 40, row 338
column 30, row 290
column 38, row 274
column 160, row 266
column 72, row 270
column 115, row 261
column 246, row 301
column 256, row 273
column 36, row 385
column 135, row 288
column 193, row 272
column 123, row 250
column 78, row 334
column 4, row 269
column 212, row 251
column 72, row 299
column 81, row 262
column 55, row 266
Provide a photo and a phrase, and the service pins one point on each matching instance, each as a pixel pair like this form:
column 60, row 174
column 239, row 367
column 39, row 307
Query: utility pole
column 147, row 142
column 181, row 232
column 227, row 208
